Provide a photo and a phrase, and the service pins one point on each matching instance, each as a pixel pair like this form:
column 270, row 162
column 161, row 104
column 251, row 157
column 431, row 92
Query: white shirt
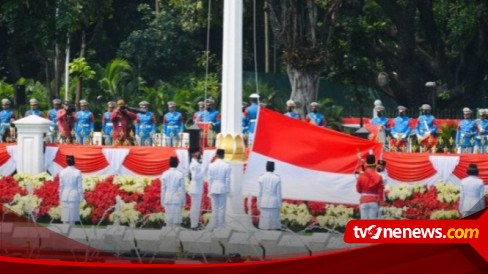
column 196, row 171
column 219, row 177
column 70, row 185
column 269, row 190
column 172, row 187
column 472, row 195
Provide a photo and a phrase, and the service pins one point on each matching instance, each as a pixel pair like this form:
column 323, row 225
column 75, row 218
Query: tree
column 304, row 29
column 80, row 70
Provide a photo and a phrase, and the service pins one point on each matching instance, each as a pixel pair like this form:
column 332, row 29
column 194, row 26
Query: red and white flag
column 314, row 163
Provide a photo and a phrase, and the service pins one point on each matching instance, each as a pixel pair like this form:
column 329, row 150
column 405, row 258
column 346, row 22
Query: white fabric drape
column 115, row 157
column 444, row 165
column 49, row 156
column 11, row 165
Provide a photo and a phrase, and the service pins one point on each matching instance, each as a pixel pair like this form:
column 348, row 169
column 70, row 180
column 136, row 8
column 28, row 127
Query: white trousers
column 173, row 214
column 196, row 204
column 369, row 211
column 218, row 209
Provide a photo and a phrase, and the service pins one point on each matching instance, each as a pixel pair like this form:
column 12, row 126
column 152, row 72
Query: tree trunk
column 79, row 84
column 304, row 88
column 57, row 73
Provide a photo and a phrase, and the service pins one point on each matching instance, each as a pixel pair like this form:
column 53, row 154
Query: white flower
column 132, row 184
column 55, row 212
column 444, row 215
column 24, row 205
column 447, row 193
column 392, row 213
column 127, row 214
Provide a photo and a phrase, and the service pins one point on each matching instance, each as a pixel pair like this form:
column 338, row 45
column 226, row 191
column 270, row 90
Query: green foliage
column 6, row 89
column 80, row 69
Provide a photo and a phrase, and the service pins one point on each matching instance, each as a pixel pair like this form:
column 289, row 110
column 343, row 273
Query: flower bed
column 37, row 197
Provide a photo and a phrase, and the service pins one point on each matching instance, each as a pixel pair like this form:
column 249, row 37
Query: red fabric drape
column 149, row 160
column 4, row 156
column 87, row 158
column 408, row 167
column 479, row 159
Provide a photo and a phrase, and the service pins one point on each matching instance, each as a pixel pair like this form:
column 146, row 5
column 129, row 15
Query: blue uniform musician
column 426, row 130
column 52, row 115
column 84, row 124
column 33, row 108
column 107, row 124
column 481, row 145
column 145, row 125
column 314, row 117
column 6, row 116
column 290, row 107
column 251, row 115
column 173, row 125
column 466, row 132
column 401, row 130
column 380, row 120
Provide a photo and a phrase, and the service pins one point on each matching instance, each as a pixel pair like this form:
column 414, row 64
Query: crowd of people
column 121, row 125
column 471, row 135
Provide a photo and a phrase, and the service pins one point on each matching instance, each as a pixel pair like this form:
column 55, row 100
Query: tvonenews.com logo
column 375, row 232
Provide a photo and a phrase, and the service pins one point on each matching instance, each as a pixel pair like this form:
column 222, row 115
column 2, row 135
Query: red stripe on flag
column 308, row 146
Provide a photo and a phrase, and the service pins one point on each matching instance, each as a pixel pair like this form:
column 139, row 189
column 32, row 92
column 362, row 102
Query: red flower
column 151, row 200
column 49, row 193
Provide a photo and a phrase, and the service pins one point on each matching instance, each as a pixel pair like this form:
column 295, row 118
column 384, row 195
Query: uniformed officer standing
column 33, row 108
column 173, row 125
column 245, row 126
column 426, row 130
column 196, row 186
column 269, row 199
column 210, row 123
column 472, row 196
column 251, row 115
column 481, row 139
column 401, row 129
column 145, row 125
column 173, row 196
column 290, row 107
column 84, row 124
column 107, row 124
column 218, row 188
column 370, row 186
column 380, row 119
column 70, row 192
column 6, row 117
column 466, row 132
column 314, row 117
column 52, row 115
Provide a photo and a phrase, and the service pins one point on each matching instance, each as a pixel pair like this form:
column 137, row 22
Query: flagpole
column 231, row 139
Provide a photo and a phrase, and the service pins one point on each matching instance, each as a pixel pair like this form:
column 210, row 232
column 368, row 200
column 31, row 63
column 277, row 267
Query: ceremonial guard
column 70, row 192
column 251, row 115
column 425, row 129
column 401, row 130
column 6, row 117
column 52, row 115
column 245, row 126
column 314, row 117
column 466, row 132
column 370, row 186
column 290, row 107
column 84, row 124
column 210, row 123
column 481, row 140
column 218, row 188
column 66, row 119
column 107, row 125
column 472, row 197
column 33, row 108
column 173, row 125
column 173, row 196
column 196, row 186
column 269, row 199
column 145, row 125
column 198, row 115
column 380, row 120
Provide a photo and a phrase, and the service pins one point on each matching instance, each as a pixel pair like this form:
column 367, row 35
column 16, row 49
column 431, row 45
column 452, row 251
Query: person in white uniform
column 219, row 186
column 472, row 197
column 173, row 193
column 269, row 199
column 196, row 186
column 70, row 192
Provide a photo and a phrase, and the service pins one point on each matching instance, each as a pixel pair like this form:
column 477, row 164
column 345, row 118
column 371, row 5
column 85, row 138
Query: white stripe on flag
column 300, row 183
